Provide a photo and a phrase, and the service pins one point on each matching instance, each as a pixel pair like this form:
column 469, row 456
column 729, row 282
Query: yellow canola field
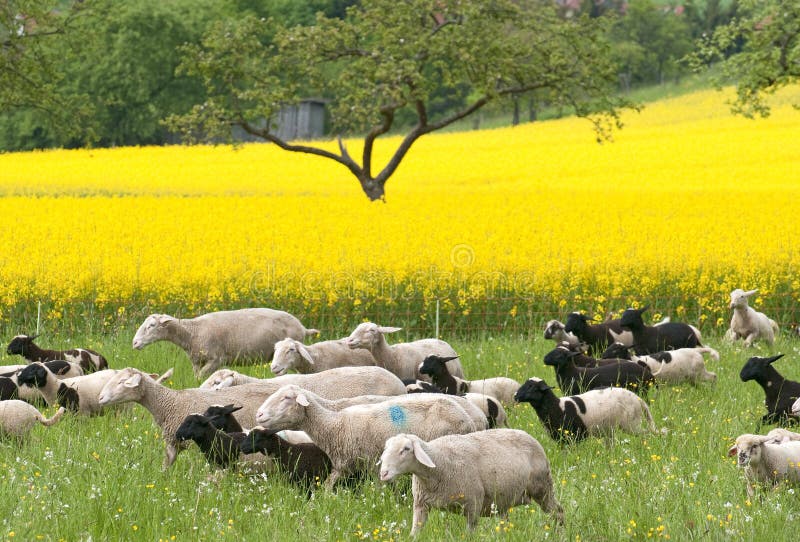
column 505, row 226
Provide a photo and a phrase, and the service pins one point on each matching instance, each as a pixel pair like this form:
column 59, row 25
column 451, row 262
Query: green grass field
column 100, row 478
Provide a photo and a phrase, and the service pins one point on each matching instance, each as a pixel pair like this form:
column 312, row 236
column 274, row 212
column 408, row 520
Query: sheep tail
column 774, row 325
column 54, row 419
column 651, row 424
column 310, row 332
column 660, row 368
column 167, row 374
column 710, row 351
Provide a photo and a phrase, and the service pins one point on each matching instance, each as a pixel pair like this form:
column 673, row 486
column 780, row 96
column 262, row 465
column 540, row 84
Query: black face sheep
column 501, row 387
column 596, row 336
column 305, row 464
column 582, row 359
column 477, row 474
column 672, row 366
column 23, row 345
column 18, row 417
column 222, row 418
column 649, row 339
column 220, row 448
column 595, row 412
column 573, row 380
column 780, row 393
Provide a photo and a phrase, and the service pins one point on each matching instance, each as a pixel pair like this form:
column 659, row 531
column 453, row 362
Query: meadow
column 502, row 229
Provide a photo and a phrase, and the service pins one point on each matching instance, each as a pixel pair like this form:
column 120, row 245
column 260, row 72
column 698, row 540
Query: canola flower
column 505, row 226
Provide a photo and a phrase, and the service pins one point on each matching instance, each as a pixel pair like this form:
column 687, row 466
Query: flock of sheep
column 336, row 408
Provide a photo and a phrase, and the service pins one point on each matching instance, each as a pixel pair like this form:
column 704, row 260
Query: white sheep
column 225, row 378
column 402, row 359
column 313, row 358
column 491, row 407
column 353, row 437
column 680, row 365
column 554, row 330
column 220, row 338
column 747, row 323
column 18, row 417
column 170, row 407
column 476, row 473
column 766, row 461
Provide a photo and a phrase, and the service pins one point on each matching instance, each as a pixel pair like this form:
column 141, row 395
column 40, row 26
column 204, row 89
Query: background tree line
column 106, row 73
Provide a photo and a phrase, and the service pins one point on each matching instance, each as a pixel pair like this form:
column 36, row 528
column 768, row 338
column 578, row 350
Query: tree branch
column 369, row 140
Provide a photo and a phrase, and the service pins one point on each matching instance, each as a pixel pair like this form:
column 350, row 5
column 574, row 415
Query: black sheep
column 23, row 345
column 780, row 393
column 596, row 336
column 436, row 368
column 651, row 339
column 305, row 463
column 574, row 380
column 560, row 417
column 220, row 448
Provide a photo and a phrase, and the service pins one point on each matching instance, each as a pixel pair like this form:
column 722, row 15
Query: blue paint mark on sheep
column 398, row 415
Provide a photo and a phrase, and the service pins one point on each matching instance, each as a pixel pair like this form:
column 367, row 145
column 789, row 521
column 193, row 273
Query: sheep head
column 747, row 449
column 739, row 297
column 755, row 368
column 288, row 353
column 34, row 375
column 154, row 328
column 284, row 409
column 403, row 453
column 533, row 391
column 435, row 365
column 123, row 387
column 20, row 345
column 368, row 335
column 632, row 318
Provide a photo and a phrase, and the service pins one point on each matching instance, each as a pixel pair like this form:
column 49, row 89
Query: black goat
column 573, row 379
column 650, row 339
column 780, row 393
column 23, row 345
column 596, row 336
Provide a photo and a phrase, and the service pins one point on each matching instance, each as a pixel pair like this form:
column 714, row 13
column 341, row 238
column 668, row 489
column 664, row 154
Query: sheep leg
column 420, row 517
column 171, row 453
column 748, row 341
column 334, row 475
column 543, row 495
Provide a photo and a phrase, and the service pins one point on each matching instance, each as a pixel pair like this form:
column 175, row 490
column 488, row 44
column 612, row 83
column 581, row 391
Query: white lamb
column 313, row 358
column 747, row 323
column 554, row 330
column 220, row 338
column 353, row 437
column 766, row 461
column 402, row 359
column 680, row 365
column 476, row 473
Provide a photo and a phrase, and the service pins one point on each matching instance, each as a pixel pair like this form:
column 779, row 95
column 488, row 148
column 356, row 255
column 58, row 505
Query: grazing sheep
column 292, row 354
column 581, row 359
column 573, row 380
column 220, row 338
column 781, row 394
column 747, row 323
column 170, row 407
column 305, row 464
column 672, row 366
column 554, row 330
column 89, row 360
column 222, row 418
column 491, row 407
column 18, row 417
column 402, row 359
column 476, row 474
column 649, row 339
column 594, row 413
column 436, row 367
column 766, row 461
column 221, row 449
column 225, row 378
column 596, row 336
column 353, row 437
column 60, row 368
column 78, row 394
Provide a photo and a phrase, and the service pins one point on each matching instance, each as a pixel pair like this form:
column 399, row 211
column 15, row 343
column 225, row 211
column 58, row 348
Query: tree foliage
column 759, row 52
column 386, row 59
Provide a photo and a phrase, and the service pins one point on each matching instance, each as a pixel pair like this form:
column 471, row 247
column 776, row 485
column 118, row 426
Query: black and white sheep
column 780, row 393
column 554, row 330
column 491, row 407
column 649, row 339
column 220, row 338
column 62, row 369
column 593, row 413
column 596, row 336
column 574, row 380
column 89, row 360
column 305, row 464
column 477, row 474
column 766, row 461
column 18, row 417
column 747, row 323
column 672, row 366
column 436, row 368
column 402, row 359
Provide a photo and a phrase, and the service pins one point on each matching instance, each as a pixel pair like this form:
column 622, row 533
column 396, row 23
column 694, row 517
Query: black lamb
column 780, row 393
column 574, row 380
column 651, row 339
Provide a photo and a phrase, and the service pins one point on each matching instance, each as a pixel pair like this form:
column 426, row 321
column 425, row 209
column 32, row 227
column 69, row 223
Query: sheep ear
column 640, row 311
column 732, row 451
column 750, row 292
column 421, row 456
column 133, row 380
column 302, row 400
column 305, row 354
column 774, row 358
column 389, row 329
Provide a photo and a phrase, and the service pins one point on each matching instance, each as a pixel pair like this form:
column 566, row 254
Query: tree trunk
column 531, row 110
column 373, row 188
column 515, row 118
